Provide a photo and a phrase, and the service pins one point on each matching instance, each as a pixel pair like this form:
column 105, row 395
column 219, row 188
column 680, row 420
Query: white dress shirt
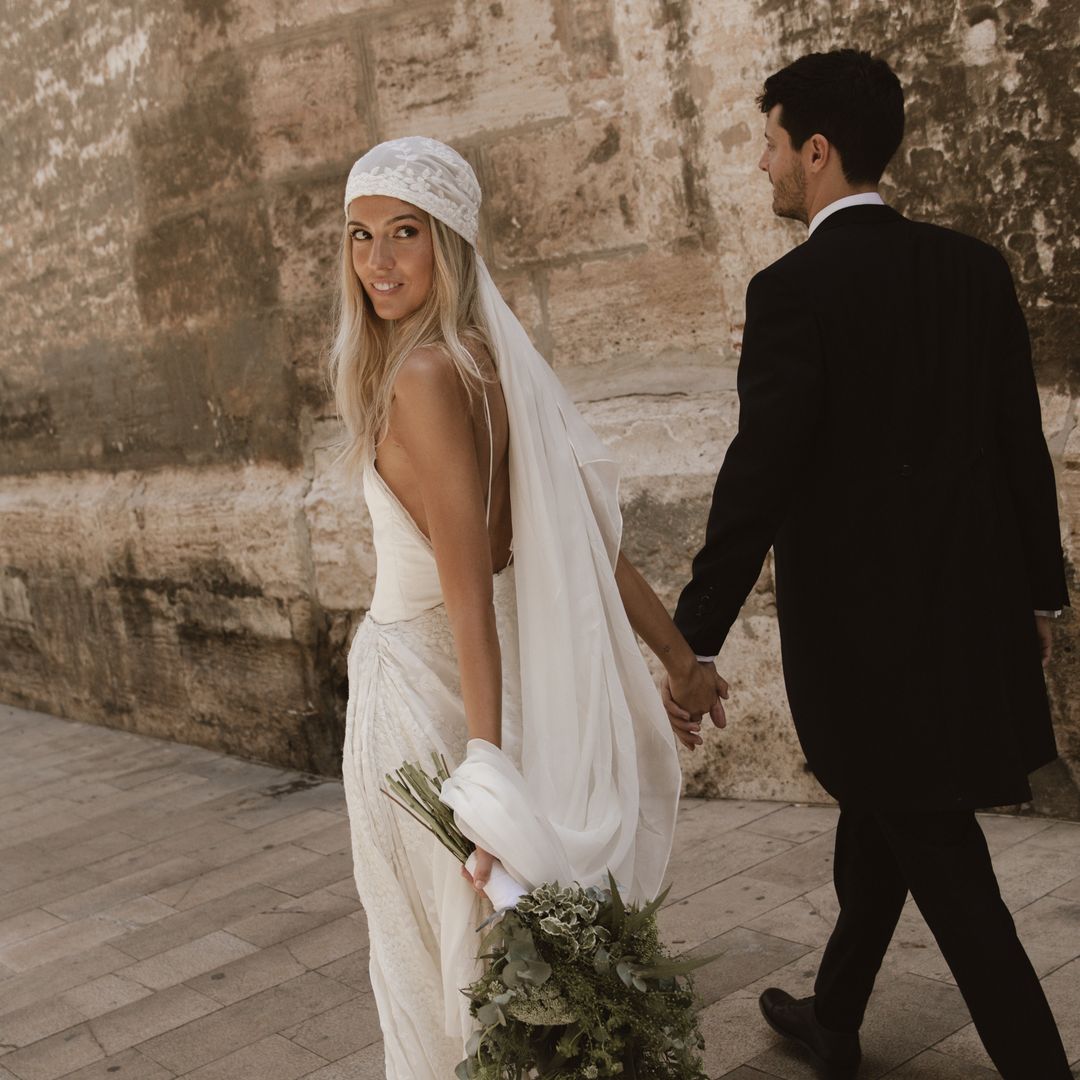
column 864, row 198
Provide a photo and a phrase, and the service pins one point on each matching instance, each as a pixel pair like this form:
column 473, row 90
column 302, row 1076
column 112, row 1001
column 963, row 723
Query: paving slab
column 19, row 1027
column 797, row 823
column 127, row 1065
column 260, row 971
column 700, row 865
column 272, row 1058
column 340, row 1031
column 235, row 1026
column 366, row 1064
column 169, row 912
column 104, row 995
column 293, row 917
column 48, row 980
column 741, row 957
column 196, row 921
column 188, row 960
column 149, row 1017
column 333, row 872
column 55, row 1056
column 930, row 1065
column 26, row 925
column 327, row 943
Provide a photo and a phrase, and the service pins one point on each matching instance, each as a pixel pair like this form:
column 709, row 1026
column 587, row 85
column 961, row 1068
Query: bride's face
column 391, row 253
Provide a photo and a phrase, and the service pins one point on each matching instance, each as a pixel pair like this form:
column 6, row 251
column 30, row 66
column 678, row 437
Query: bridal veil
column 599, row 780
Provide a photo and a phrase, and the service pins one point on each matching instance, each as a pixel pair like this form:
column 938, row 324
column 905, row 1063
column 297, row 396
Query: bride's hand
column 481, row 871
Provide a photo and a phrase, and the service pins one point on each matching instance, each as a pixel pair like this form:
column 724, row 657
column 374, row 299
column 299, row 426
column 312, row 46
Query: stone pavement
column 167, row 912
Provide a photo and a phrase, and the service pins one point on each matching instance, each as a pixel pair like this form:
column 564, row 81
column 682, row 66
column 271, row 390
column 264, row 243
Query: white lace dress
column 404, row 703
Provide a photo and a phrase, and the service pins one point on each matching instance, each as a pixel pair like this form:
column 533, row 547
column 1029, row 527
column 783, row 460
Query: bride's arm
column 431, row 420
column 695, row 686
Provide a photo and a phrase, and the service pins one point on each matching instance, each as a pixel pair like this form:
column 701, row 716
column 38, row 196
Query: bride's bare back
column 404, row 478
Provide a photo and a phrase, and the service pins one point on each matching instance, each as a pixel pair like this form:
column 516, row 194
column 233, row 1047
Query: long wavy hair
column 367, row 352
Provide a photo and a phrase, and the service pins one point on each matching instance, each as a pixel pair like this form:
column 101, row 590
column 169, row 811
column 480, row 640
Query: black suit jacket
column 890, row 449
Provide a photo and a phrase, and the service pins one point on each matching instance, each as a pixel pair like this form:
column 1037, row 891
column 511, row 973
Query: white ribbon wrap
column 501, row 889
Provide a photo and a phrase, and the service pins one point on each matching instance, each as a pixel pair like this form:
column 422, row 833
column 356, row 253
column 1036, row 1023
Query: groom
column 890, row 450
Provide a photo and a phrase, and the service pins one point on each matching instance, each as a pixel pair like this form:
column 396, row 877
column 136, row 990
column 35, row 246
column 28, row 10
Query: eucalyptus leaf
column 490, row 1014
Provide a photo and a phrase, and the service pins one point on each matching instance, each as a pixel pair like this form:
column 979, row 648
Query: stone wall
column 177, row 555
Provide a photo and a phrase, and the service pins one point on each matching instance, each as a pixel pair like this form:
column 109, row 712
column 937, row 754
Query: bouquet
column 577, row 985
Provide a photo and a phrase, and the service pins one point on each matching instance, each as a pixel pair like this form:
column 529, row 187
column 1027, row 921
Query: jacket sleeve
column 780, row 385
column 1028, row 467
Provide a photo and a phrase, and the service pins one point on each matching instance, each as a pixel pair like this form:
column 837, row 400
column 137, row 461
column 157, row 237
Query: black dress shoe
column 836, row 1053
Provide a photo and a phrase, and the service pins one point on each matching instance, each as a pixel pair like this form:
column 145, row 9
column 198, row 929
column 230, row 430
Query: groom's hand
column 687, row 697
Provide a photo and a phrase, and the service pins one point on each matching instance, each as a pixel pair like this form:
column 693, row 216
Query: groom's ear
column 818, row 152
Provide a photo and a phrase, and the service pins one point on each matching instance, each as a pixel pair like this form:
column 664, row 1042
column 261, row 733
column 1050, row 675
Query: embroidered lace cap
column 425, row 172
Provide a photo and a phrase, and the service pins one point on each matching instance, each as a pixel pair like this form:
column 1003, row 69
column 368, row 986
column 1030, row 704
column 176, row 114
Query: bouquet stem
column 416, row 793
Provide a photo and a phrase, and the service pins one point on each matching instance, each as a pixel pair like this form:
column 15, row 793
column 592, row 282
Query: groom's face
column 784, row 165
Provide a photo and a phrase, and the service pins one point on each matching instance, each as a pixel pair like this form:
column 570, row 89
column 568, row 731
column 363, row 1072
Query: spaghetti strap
column 491, row 459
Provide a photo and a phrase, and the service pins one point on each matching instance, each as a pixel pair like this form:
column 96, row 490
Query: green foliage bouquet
column 577, row 985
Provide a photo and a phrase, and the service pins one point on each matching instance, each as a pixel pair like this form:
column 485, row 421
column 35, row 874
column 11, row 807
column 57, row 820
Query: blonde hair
column 367, row 352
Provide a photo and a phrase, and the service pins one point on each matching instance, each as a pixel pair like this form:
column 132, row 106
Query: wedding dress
column 587, row 779
column 405, row 703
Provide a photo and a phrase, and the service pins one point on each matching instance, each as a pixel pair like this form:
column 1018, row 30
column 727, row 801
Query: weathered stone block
column 655, row 307
column 466, row 69
column 214, row 262
column 217, row 24
column 340, row 531
column 565, row 190
column 190, row 395
column 173, row 603
column 1069, row 492
column 201, row 146
column 308, row 329
column 662, row 441
column 308, row 106
column 307, row 224
column 522, row 295
column 81, row 416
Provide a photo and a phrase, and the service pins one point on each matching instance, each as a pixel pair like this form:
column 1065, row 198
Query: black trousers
column 943, row 860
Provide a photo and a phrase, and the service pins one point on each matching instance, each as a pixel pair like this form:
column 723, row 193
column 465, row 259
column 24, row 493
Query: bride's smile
column 391, row 254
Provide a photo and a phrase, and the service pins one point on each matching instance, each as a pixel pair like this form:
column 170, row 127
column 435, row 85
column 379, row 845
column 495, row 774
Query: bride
column 501, row 630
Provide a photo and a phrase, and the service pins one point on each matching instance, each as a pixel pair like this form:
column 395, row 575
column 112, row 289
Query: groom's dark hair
column 852, row 98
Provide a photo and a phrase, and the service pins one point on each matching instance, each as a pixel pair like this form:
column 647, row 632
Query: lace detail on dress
column 405, row 704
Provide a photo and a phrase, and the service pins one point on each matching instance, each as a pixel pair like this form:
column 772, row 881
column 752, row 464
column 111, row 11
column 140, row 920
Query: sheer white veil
column 599, row 781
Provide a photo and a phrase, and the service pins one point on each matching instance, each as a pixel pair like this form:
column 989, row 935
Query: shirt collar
column 864, row 198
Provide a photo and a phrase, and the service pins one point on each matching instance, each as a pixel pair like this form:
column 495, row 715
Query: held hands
column 687, row 697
